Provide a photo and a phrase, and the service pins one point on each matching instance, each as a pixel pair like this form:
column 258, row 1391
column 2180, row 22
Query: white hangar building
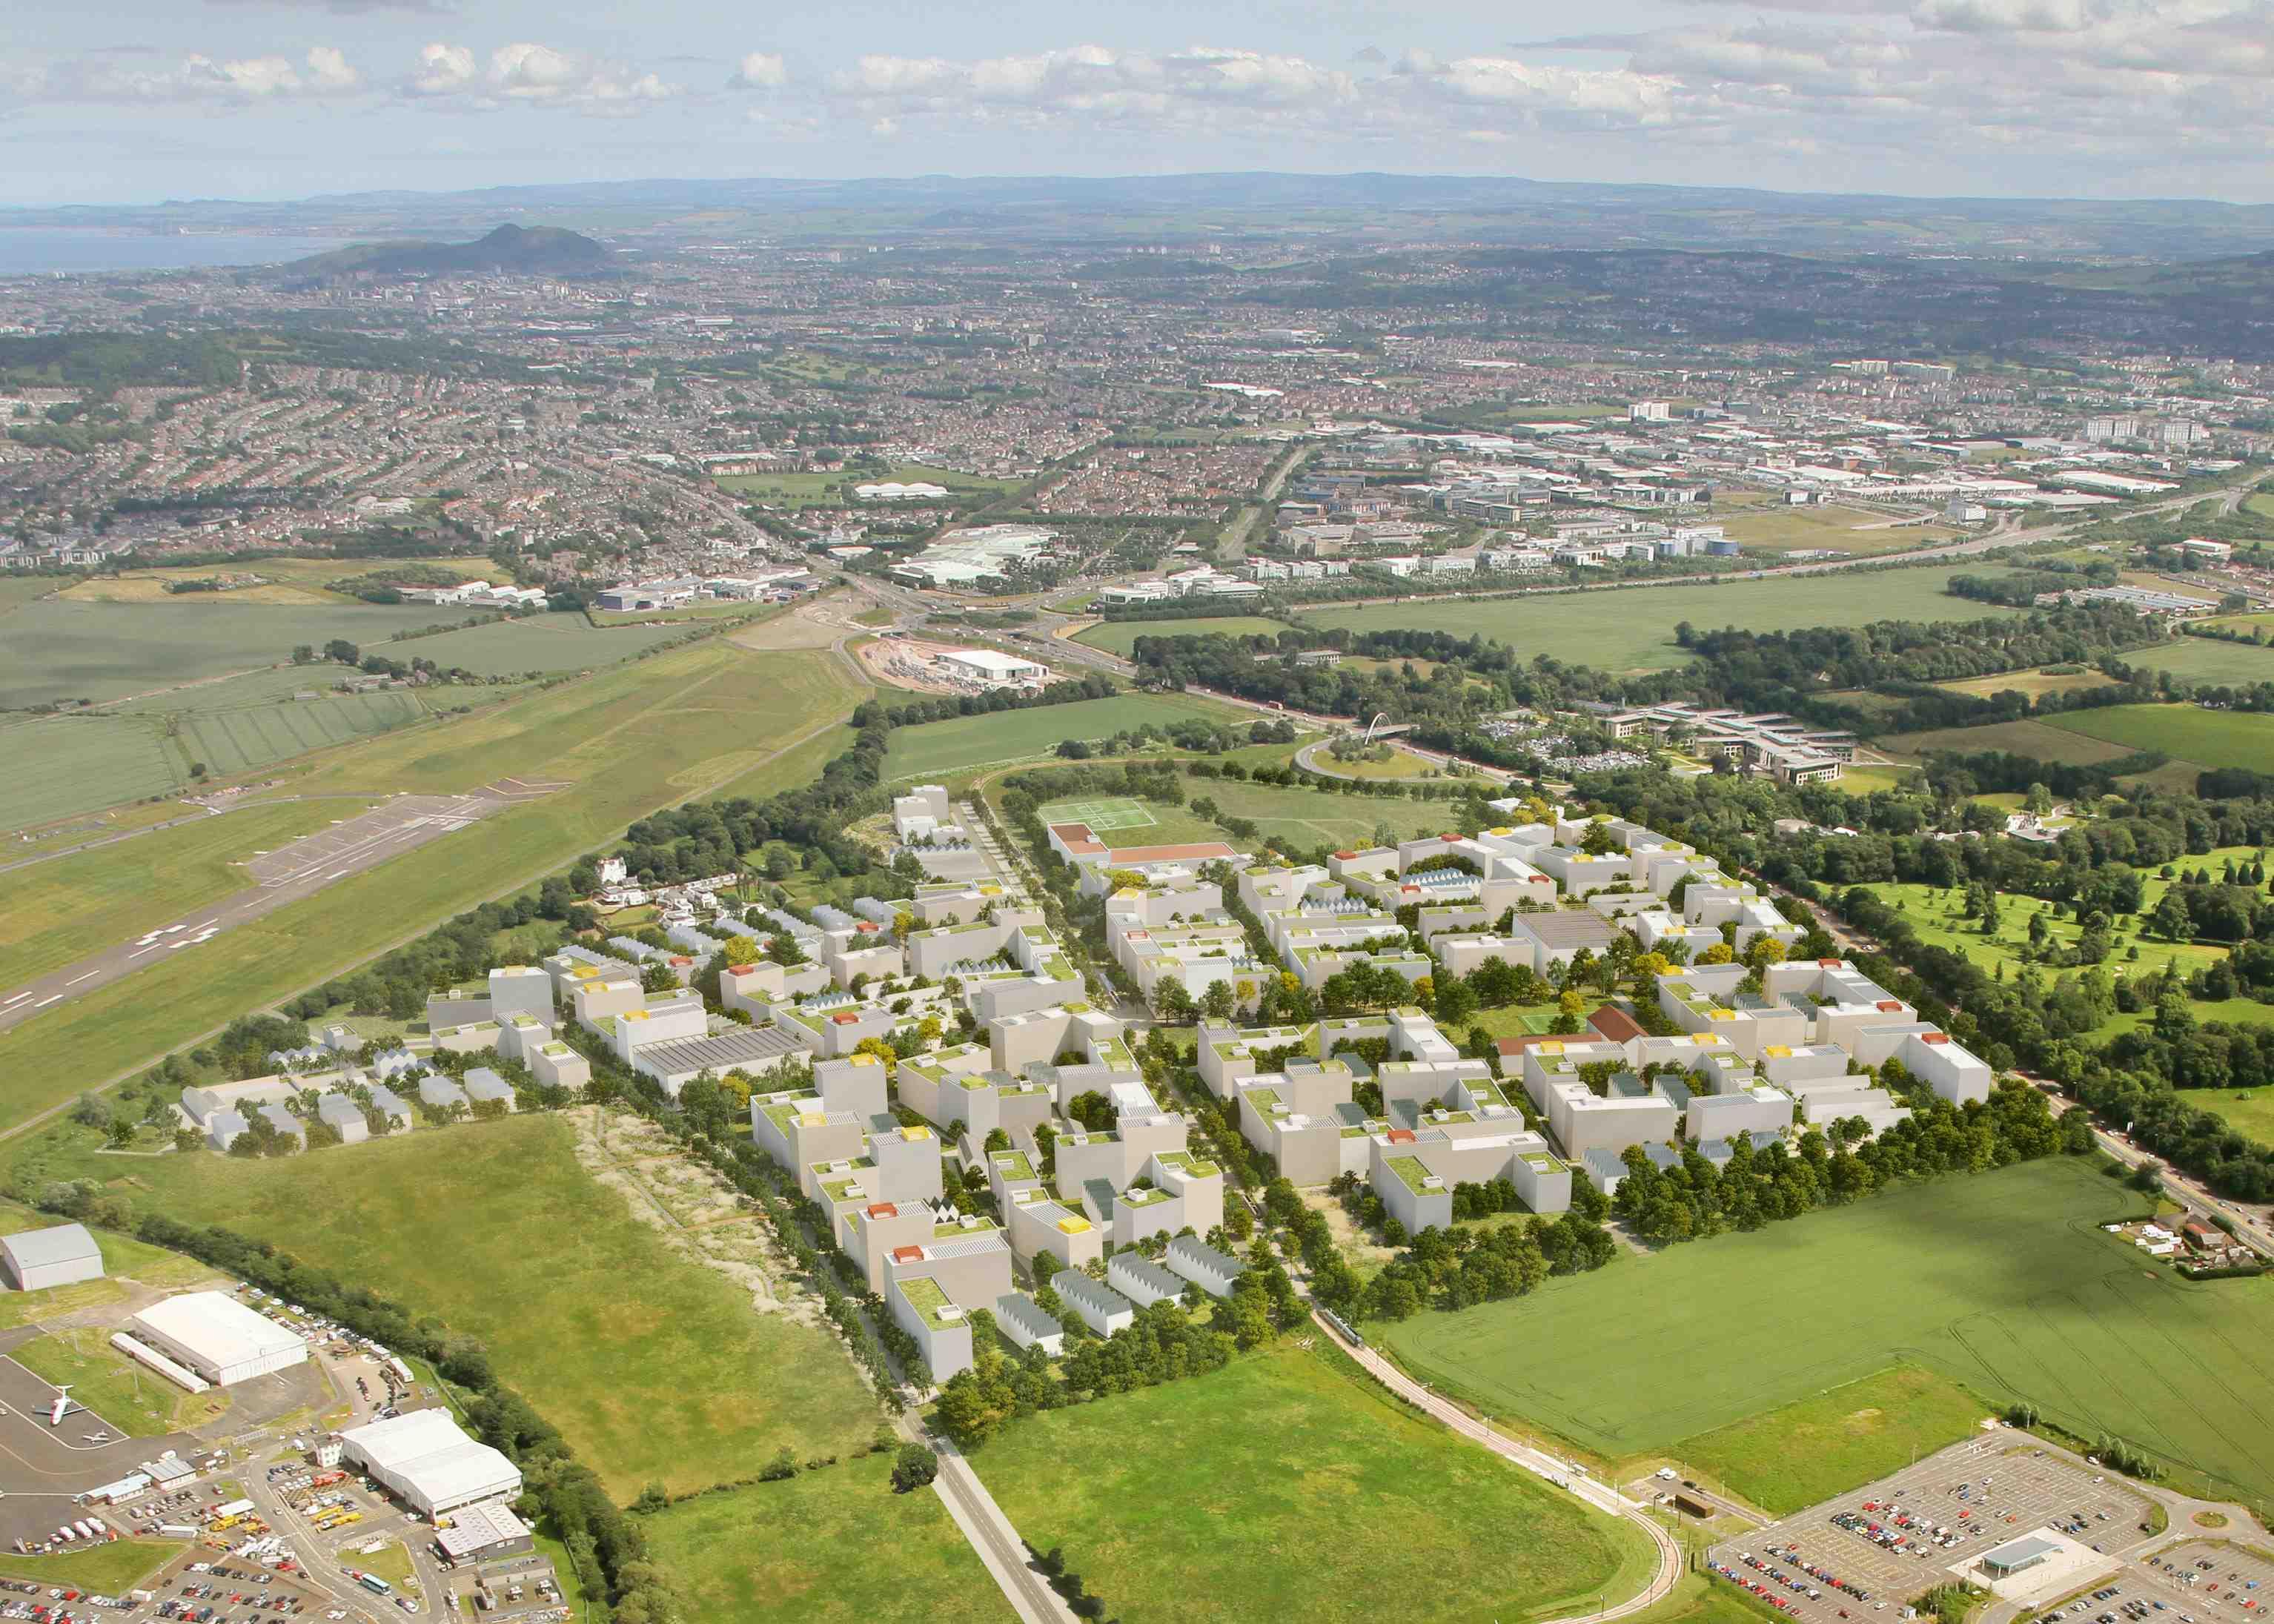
column 218, row 1337
column 423, row 1459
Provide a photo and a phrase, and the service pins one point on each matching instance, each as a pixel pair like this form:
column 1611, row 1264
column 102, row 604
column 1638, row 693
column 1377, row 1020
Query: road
column 990, row 1532
column 294, row 871
column 1600, row 1496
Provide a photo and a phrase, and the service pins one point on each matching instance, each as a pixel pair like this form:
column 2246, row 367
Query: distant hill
column 538, row 250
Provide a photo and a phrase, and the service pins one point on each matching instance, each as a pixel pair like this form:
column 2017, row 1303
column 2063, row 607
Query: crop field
column 2043, row 740
column 2036, row 684
column 1631, row 628
column 539, row 643
column 1121, row 636
column 2000, row 1281
column 1289, row 1486
column 808, row 1550
column 83, row 763
column 942, row 750
column 708, row 719
column 2187, row 733
column 1831, row 528
column 1793, row 1457
column 56, row 650
column 2209, row 659
column 55, row 913
column 644, row 1360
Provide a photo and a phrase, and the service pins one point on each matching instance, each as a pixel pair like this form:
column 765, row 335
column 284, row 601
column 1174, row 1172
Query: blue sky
column 140, row 99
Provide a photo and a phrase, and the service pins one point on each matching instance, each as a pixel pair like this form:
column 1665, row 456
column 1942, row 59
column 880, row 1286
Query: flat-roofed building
column 218, row 1337
column 422, row 1458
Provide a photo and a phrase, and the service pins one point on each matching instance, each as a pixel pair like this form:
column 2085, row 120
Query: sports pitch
column 1104, row 816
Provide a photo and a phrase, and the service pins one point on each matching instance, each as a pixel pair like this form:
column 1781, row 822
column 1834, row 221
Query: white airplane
column 62, row 1407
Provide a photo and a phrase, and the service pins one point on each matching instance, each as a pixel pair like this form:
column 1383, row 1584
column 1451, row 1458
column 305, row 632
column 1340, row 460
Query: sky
column 139, row 100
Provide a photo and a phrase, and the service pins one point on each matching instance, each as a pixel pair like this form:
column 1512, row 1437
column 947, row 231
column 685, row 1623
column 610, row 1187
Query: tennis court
column 1111, row 813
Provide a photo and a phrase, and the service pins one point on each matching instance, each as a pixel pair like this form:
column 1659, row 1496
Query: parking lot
column 1878, row 1547
column 2200, row 1579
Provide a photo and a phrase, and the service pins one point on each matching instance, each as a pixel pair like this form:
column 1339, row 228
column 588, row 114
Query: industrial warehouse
column 39, row 1258
column 423, row 1460
column 219, row 1339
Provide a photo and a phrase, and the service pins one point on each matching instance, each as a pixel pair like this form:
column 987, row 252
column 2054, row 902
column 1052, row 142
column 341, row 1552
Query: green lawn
column 57, row 649
column 2045, row 740
column 535, row 643
column 1833, row 527
column 1997, row 1280
column 58, row 912
column 1805, row 1452
column 1306, row 818
column 2188, row 733
column 656, row 1369
column 943, row 749
column 834, row 1546
column 1936, row 916
column 2208, row 659
column 140, row 1402
column 2250, row 1111
column 1290, row 1486
column 110, row 1569
column 1631, row 628
column 1121, row 636
column 709, row 717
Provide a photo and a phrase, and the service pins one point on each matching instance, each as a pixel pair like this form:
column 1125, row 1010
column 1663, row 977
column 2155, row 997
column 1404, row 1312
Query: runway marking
column 44, row 1003
column 76, row 980
column 18, row 998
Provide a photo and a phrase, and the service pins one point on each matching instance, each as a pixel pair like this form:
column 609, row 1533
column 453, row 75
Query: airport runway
column 285, row 875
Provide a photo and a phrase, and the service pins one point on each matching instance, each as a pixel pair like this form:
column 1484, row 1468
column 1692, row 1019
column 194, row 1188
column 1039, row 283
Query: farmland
column 59, row 911
column 1631, row 628
column 57, row 650
column 643, row 1357
column 2046, row 740
column 942, row 750
column 630, row 740
column 2036, row 684
column 1289, row 1486
column 2187, row 733
column 1997, row 1280
column 1121, row 636
column 537, row 642
column 2209, row 660
column 807, row 1550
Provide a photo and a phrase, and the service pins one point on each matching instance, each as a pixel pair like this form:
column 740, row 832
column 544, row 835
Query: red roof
column 740, row 969
column 882, row 1210
column 1615, row 1023
column 907, row 1254
column 1345, row 856
column 1829, row 964
column 1401, row 1136
column 1448, row 837
column 1518, row 1045
column 844, row 1017
column 1934, row 1037
column 1889, row 1003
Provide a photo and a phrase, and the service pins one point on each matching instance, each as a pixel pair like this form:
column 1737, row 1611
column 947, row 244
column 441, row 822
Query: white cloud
column 527, row 74
column 148, row 76
column 759, row 70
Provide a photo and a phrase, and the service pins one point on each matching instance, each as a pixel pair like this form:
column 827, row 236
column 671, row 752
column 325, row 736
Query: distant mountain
column 535, row 251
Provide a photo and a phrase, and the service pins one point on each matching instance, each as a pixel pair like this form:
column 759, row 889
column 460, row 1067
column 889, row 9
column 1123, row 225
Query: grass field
column 139, row 1403
column 1802, row 1453
column 2036, row 684
column 1937, row 917
column 62, row 910
column 1832, row 528
column 1998, row 1280
column 1304, row 817
column 110, row 1569
column 1868, row 780
column 2044, row 740
column 655, row 1368
column 2187, row 733
column 2250, row 1111
column 1110, row 816
column 1121, row 636
column 1631, row 628
column 2208, row 659
column 1290, row 1486
column 535, row 642
column 57, row 650
column 710, row 717
column 942, row 750
column 835, row 1547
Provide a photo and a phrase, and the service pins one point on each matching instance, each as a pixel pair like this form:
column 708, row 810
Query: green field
column 1303, row 817
column 2186, row 733
column 708, row 719
column 1121, row 636
column 2209, row 660
column 1114, row 814
column 2036, row 684
column 2250, row 1111
column 58, row 649
column 1936, row 916
column 2047, row 741
column 655, row 1368
column 1804, row 1453
column 1631, row 628
column 1290, row 1486
column 535, row 643
column 137, row 1402
column 834, row 1546
column 110, row 1569
column 1997, row 1280
column 59, row 911
column 943, row 749
column 1832, row 528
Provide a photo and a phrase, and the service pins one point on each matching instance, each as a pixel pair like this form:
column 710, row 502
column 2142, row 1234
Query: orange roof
column 1401, row 1136
column 907, row 1254
column 1173, row 853
column 1889, row 1003
column 882, row 1210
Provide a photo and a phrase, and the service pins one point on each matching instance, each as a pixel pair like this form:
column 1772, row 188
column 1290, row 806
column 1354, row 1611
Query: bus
column 376, row 1585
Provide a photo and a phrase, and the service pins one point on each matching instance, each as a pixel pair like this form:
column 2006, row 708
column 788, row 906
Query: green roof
column 1410, row 1173
column 926, row 1297
column 1012, row 1164
column 1189, row 1164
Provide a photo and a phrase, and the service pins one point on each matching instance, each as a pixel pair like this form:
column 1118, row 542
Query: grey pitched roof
column 66, row 1243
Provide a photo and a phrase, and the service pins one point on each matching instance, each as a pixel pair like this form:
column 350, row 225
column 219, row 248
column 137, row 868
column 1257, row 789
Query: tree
column 914, row 1467
column 1218, row 1002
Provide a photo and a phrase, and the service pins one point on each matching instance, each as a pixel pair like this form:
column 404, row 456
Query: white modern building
column 423, row 1459
column 61, row 1256
column 218, row 1337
